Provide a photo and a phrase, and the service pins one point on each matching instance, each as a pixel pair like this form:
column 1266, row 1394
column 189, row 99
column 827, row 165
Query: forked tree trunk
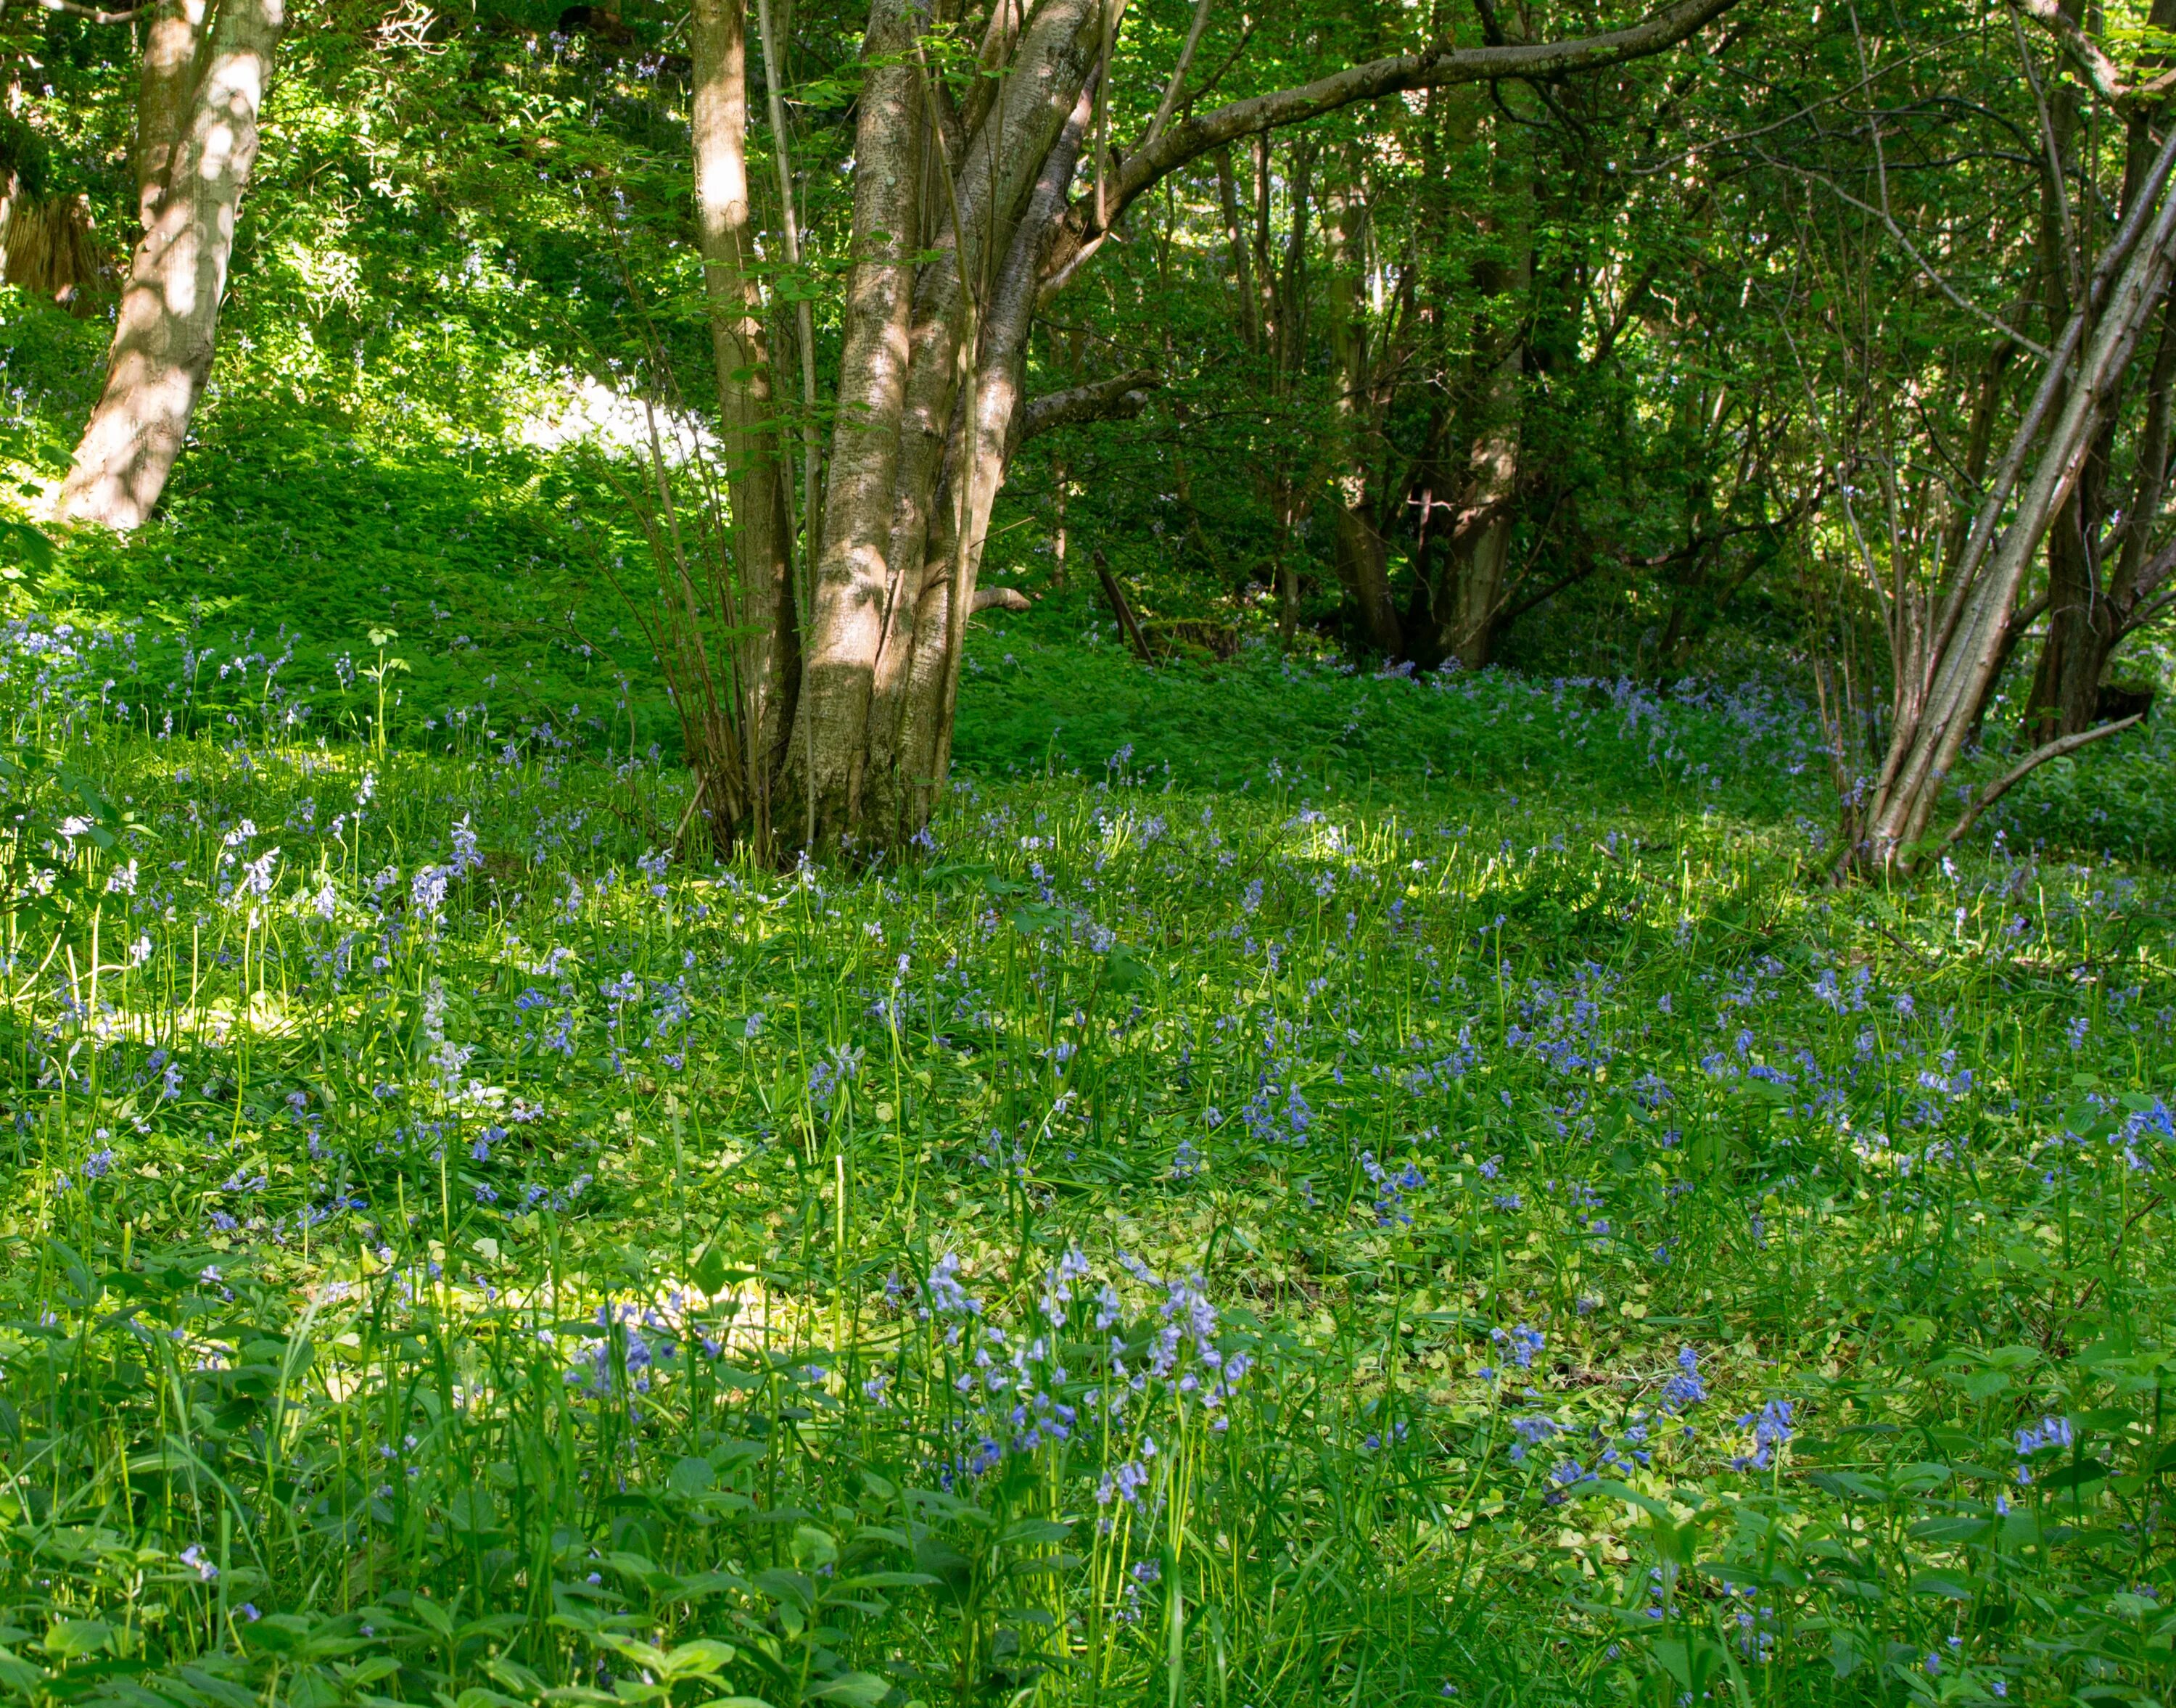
column 1943, row 686
column 913, row 470
column 169, row 314
column 933, row 354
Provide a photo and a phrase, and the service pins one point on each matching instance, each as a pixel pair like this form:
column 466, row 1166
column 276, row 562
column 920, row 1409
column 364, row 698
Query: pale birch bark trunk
column 169, row 312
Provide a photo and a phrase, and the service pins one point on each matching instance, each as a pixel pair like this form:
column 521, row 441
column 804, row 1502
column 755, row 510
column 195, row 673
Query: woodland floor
column 1316, row 1187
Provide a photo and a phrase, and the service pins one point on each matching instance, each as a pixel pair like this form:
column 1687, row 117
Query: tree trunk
column 1941, row 687
column 173, row 50
column 758, row 586
column 2081, row 632
column 2096, row 587
column 1361, row 554
column 1469, row 596
column 47, row 246
column 1061, row 470
column 961, row 226
column 169, row 314
column 929, row 381
column 2094, row 561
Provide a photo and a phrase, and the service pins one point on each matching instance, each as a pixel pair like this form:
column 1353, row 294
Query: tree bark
column 1940, row 690
column 912, row 466
column 960, row 229
column 1361, row 553
column 2095, row 561
column 169, row 313
column 1471, row 595
column 855, row 573
column 757, row 588
column 173, row 49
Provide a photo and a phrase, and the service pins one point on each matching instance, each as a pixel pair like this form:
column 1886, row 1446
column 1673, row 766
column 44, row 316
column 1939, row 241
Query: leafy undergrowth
column 1212, row 1245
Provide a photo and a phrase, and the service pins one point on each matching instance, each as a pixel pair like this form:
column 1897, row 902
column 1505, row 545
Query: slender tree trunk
column 1062, row 485
column 169, row 313
column 2097, row 586
column 1362, row 555
column 1948, row 680
column 1235, row 242
column 760, row 582
column 2093, row 561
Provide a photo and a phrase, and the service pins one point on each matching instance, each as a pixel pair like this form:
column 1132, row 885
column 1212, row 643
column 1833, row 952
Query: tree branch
column 1178, row 77
column 2091, row 59
column 1117, row 399
column 2025, row 767
column 1431, row 67
column 91, row 13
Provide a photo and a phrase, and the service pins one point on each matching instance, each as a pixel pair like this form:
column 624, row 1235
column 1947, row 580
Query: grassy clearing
column 1222, row 1236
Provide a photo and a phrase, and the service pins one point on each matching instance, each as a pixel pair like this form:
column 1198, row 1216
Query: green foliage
column 1192, row 1236
column 1316, row 1186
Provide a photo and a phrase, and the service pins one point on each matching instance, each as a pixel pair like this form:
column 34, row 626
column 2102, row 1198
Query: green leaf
column 710, row 1272
column 1033, row 918
column 858, row 1689
column 18, row 1674
column 691, row 1477
column 24, row 547
column 71, row 1640
column 1126, row 972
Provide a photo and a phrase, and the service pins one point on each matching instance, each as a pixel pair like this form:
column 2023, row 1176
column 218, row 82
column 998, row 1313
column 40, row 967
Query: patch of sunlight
column 588, row 411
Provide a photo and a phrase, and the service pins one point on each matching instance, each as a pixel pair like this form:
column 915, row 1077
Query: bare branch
column 91, row 13
column 2025, row 767
column 1104, row 399
column 1431, row 67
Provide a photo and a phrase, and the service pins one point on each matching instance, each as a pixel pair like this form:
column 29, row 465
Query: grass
column 1332, row 1222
